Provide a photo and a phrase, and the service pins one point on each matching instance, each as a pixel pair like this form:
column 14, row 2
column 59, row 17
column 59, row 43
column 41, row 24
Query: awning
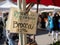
column 45, row 2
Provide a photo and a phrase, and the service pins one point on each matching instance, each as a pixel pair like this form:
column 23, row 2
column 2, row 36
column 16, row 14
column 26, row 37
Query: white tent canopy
column 44, row 7
column 55, row 7
column 34, row 8
column 8, row 4
column 40, row 6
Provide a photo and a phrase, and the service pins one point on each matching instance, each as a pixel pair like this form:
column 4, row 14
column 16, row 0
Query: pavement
column 42, row 37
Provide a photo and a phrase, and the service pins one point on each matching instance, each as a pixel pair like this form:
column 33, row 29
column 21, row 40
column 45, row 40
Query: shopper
column 59, row 19
column 59, row 22
column 46, row 23
column 50, row 22
column 42, row 21
column 56, row 26
column 39, row 22
column 1, row 28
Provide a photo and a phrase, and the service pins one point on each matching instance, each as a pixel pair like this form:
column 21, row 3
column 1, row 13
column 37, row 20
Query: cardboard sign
column 28, row 23
column 18, row 19
column 11, row 19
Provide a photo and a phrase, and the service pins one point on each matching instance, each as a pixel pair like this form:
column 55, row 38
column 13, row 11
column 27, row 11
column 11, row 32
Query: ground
column 42, row 38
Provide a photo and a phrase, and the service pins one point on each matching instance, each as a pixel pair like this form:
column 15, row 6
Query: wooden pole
column 38, row 5
column 37, row 8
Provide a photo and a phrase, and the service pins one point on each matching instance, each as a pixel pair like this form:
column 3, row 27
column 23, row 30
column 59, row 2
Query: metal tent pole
column 22, row 37
column 24, row 11
column 20, row 34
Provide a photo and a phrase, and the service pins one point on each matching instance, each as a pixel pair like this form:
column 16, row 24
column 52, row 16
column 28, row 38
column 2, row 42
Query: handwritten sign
column 26, row 22
column 11, row 19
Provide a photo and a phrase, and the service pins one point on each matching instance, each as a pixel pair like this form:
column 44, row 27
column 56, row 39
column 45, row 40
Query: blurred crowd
column 51, row 22
column 9, row 38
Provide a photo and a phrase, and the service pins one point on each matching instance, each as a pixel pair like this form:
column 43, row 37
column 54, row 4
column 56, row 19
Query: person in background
column 46, row 20
column 7, row 37
column 50, row 22
column 6, row 33
column 46, row 23
column 59, row 19
column 59, row 22
column 42, row 20
column 39, row 22
column 56, row 26
column 5, row 15
column 1, row 28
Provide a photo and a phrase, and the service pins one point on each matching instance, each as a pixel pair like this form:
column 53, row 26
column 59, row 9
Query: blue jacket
column 59, row 23
column 50, row 22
